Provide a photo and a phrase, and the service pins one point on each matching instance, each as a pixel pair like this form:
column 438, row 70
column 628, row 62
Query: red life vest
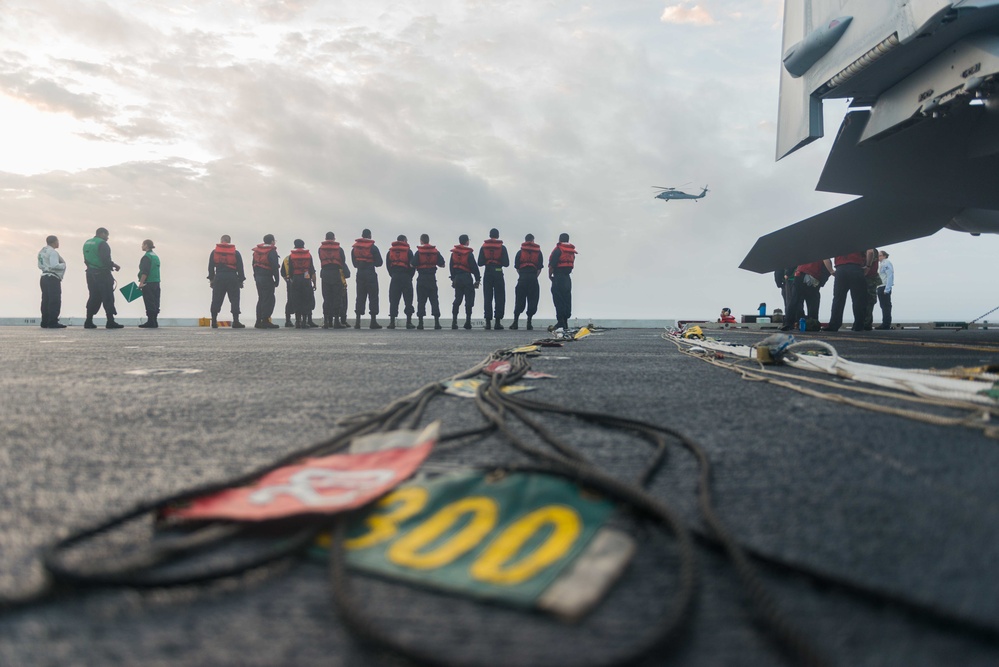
column 492, row 251
column 426, row 257
column 225, row 255
column 362, row 251
column 330, row 253
column 459, row 258
column 261, row 253
column 853, row 258
column 300, row 261
column 398, row 255
column 567, row 258
column 814, row 269
column 530, row 256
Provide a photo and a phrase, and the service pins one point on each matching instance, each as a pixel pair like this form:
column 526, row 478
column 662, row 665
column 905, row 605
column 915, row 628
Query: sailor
column 848, row 278
column 808, row 278
column 528, row 261
column 872, row 278
column 366, row 257
column 289, row 303
column 560, row 264
column 226, row 277
column 53, row 268
column 333, row 273
column 266, row 276
column 887, row 273
column 302, row 270
column 399, row 260
column 149, row 283
column 100, row 283
column 426, row 261
column 493, row 257
column 462, row 268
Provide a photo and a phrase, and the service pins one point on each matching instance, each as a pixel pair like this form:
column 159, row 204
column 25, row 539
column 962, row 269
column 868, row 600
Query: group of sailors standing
column 298, row 271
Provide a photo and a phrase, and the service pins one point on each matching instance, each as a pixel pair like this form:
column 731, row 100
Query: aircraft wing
column 953, row 159
column 882, row 44
column 924, row 155
column 868, row 222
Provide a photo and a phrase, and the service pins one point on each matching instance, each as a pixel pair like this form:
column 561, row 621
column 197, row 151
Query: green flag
column 131, row 292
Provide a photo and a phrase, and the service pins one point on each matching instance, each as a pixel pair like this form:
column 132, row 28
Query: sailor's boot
column 420, row 324
column 357, row 322
column 374, row 323
column 530, row 327
column 437, row 323
column 391, row 324
column 409, row 322
column 498, row 326
column 288, row 324
column 215, row 320
column 468, row 321
column 236, row 324
column 489, row 324
column 514, row 326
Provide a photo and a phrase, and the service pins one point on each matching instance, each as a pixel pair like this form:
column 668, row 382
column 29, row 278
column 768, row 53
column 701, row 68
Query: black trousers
column 426, row 290
column 464, row 290
column 151, row 300
column 303, row 297
column 849, row 280
column 225, row 286
column 51, row 300
column 493, row 292
column 562, row 297
column 101, row 287
column 884, row 299
column 526, row 294
column 400, row 287
column 266, row 299
column 803, row 297
column 334, row 295
column 367, row 291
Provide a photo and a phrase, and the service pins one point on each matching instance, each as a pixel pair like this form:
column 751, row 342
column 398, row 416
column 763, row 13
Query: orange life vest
column 398, row 255
column 330, row 253
column 225, row 255
column 362, row 251
column 530, row 256
column 426, row 257
column 492, row 251
column 300, row 261
column 459, row 258
column 261, row 253
column 567, row 258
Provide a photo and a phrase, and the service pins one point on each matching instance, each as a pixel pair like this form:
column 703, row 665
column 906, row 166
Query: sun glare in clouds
column 695, row 15
column 37, row 141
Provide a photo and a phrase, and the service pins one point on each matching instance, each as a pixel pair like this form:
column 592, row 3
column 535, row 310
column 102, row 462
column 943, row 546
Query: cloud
column 695, row 15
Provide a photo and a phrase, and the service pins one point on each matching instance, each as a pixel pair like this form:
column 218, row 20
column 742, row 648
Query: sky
column 183, row 121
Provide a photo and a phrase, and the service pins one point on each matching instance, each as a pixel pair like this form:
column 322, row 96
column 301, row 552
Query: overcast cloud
column 181, row 122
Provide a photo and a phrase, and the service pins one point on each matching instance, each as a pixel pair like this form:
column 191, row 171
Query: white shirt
column 50, row 262
column 887, row 273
